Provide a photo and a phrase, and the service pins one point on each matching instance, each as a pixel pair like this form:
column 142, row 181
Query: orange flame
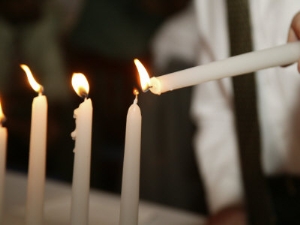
column 80, row 84
column 36, row 86
column 144, row 77
column 135, row 92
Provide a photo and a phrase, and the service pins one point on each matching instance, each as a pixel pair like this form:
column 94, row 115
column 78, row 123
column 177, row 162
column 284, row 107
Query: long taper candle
column 82, row 159
column 37, row 154
column 233, row 66
column 131, row 166
column 3, row 143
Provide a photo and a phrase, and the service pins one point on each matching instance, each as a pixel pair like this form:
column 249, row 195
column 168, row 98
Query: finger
column 292, row 36
column 294, row 32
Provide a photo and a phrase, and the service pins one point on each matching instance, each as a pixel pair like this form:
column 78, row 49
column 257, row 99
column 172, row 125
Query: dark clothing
column 285, row 193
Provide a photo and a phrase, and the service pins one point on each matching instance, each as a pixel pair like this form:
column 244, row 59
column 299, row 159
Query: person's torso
column 278, row 88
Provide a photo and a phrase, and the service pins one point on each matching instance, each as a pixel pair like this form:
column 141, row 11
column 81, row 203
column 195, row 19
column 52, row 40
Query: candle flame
column 36, row 86
column 135, row 92
column 80, row 84
column 144, row 77
column 2, row 116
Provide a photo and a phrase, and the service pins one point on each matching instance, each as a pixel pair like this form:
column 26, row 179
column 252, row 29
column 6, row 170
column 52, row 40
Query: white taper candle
column 82, row 154
column 37, row 154
column 131, row 167
column 237, row 65
column 3, row 145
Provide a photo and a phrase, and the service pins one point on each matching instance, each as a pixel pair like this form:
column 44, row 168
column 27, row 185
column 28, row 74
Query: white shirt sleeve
column 176, row 38
column 215, row 144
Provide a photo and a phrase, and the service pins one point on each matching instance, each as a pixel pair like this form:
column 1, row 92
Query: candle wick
column 136, row 93
column 135, row 100
column 83, row 93
column 41, row 90
column 2, row 120
column 85, row 96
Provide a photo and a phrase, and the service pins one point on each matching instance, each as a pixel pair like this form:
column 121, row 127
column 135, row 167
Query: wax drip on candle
column 73, row 134
column 81, row 87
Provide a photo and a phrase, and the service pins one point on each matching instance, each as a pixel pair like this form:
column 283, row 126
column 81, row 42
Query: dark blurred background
column 99, row 38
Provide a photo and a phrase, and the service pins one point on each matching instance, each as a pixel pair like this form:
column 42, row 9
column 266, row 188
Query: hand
column 230, row 216
column 294, row 32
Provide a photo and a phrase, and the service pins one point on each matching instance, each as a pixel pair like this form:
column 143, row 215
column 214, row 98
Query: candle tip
column 136, row 93
column 82, row 93
column 41, row 90
column 2, row 116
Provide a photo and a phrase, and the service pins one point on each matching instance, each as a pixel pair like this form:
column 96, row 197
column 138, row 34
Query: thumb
column 294, row 32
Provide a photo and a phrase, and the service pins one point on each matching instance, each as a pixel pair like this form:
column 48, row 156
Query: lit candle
column 237, row 65
column 37, row 154
column 82, row 159
column 3, row 143
column 131, row 166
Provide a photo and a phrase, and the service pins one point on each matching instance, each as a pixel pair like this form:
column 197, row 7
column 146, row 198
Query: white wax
column 3, row 143
column 82, row 163
column 131, row 167
column 37, row 162
column 237, row 65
